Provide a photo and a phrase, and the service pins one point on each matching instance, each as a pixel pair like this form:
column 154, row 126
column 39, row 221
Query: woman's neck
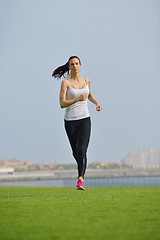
column 76, row 76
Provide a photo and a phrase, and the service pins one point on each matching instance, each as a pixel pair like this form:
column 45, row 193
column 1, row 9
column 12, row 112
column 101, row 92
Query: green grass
column 113, row 213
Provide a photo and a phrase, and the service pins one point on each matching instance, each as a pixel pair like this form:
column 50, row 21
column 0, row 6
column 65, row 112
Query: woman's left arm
column 92, row 98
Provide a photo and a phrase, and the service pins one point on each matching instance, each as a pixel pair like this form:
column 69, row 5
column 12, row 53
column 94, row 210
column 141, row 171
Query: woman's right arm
column 62, row 98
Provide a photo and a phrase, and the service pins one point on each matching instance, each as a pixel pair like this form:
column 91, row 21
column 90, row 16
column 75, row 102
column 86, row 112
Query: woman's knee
column 81, row 152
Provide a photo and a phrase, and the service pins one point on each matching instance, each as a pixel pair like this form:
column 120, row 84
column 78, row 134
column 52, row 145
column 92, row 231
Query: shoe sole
column 80, row 188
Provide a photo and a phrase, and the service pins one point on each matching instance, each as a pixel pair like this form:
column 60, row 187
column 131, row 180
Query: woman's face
column 74, row 65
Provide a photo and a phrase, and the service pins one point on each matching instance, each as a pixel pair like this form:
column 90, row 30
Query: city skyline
column 140, row 159
column 143, row 158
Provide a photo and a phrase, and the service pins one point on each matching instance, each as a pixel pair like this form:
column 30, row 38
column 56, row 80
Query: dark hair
column 64, row 69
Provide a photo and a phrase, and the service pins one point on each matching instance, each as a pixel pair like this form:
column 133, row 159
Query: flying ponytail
column 64, row 69
column 61, row 71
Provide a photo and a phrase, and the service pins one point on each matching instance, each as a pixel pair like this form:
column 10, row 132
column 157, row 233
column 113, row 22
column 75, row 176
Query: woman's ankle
column 80, row 178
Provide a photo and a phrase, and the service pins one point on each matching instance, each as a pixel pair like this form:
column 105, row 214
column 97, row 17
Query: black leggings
column 78, row 132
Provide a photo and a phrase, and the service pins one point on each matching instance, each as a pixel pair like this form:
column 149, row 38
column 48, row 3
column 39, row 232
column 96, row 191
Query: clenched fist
column 98, row 107
column 82, row 97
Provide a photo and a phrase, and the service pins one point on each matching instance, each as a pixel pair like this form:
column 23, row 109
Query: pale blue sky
column 118, row 42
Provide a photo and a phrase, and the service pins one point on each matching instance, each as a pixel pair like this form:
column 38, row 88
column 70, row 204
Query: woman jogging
column 73, row 97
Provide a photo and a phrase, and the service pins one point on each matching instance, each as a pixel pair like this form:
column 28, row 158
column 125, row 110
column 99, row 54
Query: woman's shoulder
column 87, row 80
column 65, row 82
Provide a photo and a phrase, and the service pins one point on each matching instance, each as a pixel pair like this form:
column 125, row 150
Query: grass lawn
column 110, row 213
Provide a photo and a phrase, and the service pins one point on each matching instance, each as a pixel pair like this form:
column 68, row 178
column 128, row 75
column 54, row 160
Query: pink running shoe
column 80, row 185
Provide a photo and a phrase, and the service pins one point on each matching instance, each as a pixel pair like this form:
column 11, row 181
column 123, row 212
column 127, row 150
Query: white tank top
column 78, row 110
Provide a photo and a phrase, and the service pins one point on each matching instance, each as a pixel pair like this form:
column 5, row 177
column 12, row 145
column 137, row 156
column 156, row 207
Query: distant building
column 6, row 171
column 19, row 165
column 143, row 159
column 15, row 163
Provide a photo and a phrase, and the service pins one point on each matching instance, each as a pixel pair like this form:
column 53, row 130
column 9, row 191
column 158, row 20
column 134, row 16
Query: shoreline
column 72, row 174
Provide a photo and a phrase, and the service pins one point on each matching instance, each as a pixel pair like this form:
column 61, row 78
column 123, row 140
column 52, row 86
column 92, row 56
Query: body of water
column 90, row 182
